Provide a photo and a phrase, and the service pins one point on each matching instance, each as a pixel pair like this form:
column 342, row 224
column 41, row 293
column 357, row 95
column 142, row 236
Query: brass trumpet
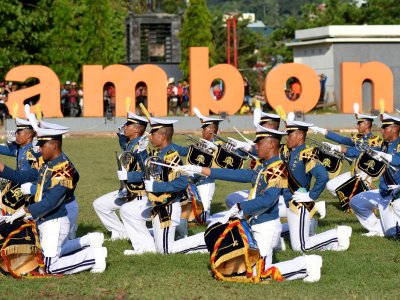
column 151, row 169
column 199, row 144
column 230, row 147
column 374, row 154
column 124, row 159
column 328, row 151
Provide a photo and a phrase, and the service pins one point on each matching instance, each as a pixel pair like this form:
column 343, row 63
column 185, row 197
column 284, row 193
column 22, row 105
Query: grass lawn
column 369, row 269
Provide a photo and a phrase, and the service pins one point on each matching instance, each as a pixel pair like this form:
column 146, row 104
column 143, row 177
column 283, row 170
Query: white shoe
column 313, row 227
column 117, row 238
column 281, row 246
column 96, row 239
column 373, row 233
column 313, row 265
column 100, row 255
column 344, row 234
column 130, row 252
column 320, row 206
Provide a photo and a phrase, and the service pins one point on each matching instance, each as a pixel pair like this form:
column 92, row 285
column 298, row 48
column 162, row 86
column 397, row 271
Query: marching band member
column 133, row 224
column 166, row 192
column 364, row 135
column 22, row 147
column 267, row 121
column 302, row 166
column 268, row 180
column 29, row 188
column 56, row 180
column 364, row 204
column 205, row 185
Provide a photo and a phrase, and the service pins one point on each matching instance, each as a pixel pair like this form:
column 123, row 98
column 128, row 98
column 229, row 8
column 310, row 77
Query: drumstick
column 281, row 112
column 145, row 112
column 127, row 103
column 176, row 168
column 243, row 137
column 15, row 110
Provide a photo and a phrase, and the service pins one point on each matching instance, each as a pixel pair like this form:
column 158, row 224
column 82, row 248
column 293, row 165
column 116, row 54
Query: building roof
column 347, row 34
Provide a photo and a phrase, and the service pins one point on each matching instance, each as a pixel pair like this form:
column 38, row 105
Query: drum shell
column 230, row 259
column 20, row 246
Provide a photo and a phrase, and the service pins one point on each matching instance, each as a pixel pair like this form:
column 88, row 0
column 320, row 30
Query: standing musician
column 364, row 135
column 56, row 181
column 166, row 192
column 261, row 208
column 133, row 224
column 364, row 204
column 302, row 166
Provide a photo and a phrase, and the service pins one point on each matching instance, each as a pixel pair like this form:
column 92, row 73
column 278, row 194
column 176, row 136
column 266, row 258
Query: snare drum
column 192, row 209
column 348, row 189
column 20, row 248
column 234, row 251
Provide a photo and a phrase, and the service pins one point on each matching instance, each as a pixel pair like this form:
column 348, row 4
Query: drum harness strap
column 271, row 273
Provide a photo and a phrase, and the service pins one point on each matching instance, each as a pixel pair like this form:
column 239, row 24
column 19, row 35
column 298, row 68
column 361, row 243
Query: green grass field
column 368, row 270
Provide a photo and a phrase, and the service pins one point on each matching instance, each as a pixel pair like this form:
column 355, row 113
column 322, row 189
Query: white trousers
column 363, row 205
column 240, row 196
column 134, row 215
column 72, row 211
column 334, row 183
column 300, row 240
column 80, row 260
column 165, row 237
column 106, row 207
column 267, row 235
column 396, row 210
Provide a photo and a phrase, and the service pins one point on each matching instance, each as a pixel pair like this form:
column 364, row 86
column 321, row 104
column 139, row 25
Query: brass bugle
column 373, row 153
column 327, row 150
column 230, row 145
column 199, row 144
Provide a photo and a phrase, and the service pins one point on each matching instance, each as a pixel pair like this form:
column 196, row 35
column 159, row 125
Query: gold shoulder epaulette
column 309, row 158
column 172, row 158
column 63, row 174
column 375, row 141
column 276, row 175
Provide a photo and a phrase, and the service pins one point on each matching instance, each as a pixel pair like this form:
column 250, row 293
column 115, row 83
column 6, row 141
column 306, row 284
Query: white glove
column 386, row 156
column 302, row 197
column 18, row 214
column 120, row 129
column 319, row 130
column 235, row 212
column 10, row 136
column 143, row 143
column 149, row 184
column 26, row 188
column 239, row 144
column 210, row 145
column 191, row 169
column 123, row 174
column 333, row 147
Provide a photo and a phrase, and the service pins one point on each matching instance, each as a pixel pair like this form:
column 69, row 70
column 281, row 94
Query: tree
column 195, row 32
